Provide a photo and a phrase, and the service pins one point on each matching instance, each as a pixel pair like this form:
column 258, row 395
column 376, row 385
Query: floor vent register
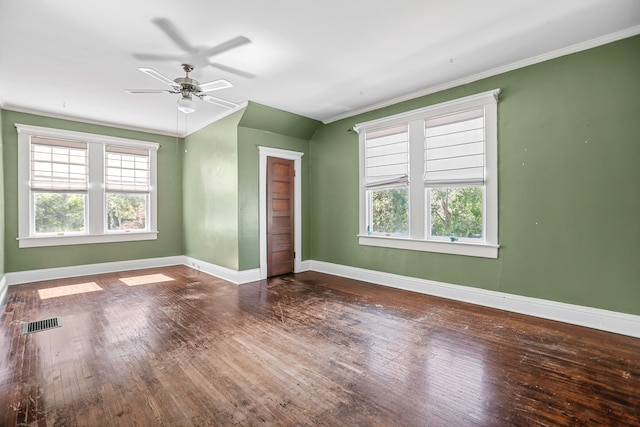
column 40, row 325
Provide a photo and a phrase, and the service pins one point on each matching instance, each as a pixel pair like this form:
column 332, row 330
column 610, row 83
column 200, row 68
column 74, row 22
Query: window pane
column 456, row 212
column 455, row 148
column 389, row 210
column 126, row 211
column 127, row 169
column 58, row 165
column 59, row 212
column 386, row 156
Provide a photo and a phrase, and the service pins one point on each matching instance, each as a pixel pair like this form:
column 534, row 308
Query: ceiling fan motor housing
column 188, row 85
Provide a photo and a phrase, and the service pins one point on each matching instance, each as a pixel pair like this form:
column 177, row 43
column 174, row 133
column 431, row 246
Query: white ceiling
column 324, row 60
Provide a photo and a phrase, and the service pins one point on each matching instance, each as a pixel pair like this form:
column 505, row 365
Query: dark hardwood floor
column 187, row 349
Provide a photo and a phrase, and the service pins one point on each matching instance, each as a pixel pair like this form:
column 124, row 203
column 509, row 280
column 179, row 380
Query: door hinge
column 294, row 254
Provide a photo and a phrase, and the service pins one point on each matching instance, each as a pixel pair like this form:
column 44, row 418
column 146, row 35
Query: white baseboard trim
column 304, row 266
column 4, row 285
column 233, row 276
column 248, row 276
column 610, row 321
column 29, row 276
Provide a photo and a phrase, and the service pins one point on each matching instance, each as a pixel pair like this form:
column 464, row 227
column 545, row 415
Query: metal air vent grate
column 40, row 325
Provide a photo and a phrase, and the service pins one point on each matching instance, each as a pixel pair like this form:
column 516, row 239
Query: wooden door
column 280, row 216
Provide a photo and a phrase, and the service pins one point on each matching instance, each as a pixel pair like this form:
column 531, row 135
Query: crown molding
column 87, row 121
column 578, row 47
column 18, row 109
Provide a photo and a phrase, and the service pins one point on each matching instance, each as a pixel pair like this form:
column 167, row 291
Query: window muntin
column 67, row 195
column 451, row 180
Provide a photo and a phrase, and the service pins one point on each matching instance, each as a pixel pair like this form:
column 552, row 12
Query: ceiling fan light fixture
column 186, row 105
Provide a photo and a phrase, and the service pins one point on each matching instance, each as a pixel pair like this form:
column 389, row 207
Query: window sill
column 454, row 248
column 37, row 242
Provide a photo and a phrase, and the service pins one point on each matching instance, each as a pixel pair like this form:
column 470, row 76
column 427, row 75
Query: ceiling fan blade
column 152, row 57
column 149, row 91
column 232, row 70
column 156, row 75
column 218, row 101
column 215, row 85
column 173, row 33
column 223, row 47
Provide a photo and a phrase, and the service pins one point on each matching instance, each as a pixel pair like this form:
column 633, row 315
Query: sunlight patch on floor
column 145, row 280
column 62, row 291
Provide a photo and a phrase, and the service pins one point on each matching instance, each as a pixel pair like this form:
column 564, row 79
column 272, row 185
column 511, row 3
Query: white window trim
column 417, row 239
column 96, row 227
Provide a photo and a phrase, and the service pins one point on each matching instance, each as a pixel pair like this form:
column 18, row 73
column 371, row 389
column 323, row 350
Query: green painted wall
column 569, row 206
column 248, row 141
column 221, row 211
column 268, row 119
column 2, row 264
column 169, row 242
column 210, row 193
column 269, row 127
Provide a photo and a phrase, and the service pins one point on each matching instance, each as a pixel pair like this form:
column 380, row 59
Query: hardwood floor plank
column 302, row 350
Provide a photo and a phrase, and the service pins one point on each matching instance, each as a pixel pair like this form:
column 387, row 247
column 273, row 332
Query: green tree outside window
column 456, row 212
column 390, row 210
column 59, row 212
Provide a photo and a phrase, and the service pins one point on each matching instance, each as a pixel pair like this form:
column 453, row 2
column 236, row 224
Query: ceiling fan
column 187, row 88
column 197, row 56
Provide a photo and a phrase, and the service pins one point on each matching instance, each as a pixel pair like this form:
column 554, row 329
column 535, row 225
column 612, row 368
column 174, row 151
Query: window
column 59, row 182
column 429, row 178
column 387, row 181
column 77, row 188
column 127, row 185
column 454, row 175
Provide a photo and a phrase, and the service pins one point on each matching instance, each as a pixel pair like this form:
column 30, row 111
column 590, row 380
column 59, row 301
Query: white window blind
column 58, row 165
column 455, row 149
column 387, row 157
column 127, row 169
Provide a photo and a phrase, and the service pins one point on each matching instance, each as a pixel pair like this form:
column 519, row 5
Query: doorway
column 296, row 158
column 280, row 216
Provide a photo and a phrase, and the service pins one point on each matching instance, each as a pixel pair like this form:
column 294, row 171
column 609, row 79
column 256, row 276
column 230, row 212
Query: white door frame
column 297, row 204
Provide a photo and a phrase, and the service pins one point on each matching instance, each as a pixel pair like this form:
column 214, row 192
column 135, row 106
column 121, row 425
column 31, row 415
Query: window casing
column 449, row 174
column 78, row 188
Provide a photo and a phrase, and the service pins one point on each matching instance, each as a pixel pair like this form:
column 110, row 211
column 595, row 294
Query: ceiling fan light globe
column 186, row 105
